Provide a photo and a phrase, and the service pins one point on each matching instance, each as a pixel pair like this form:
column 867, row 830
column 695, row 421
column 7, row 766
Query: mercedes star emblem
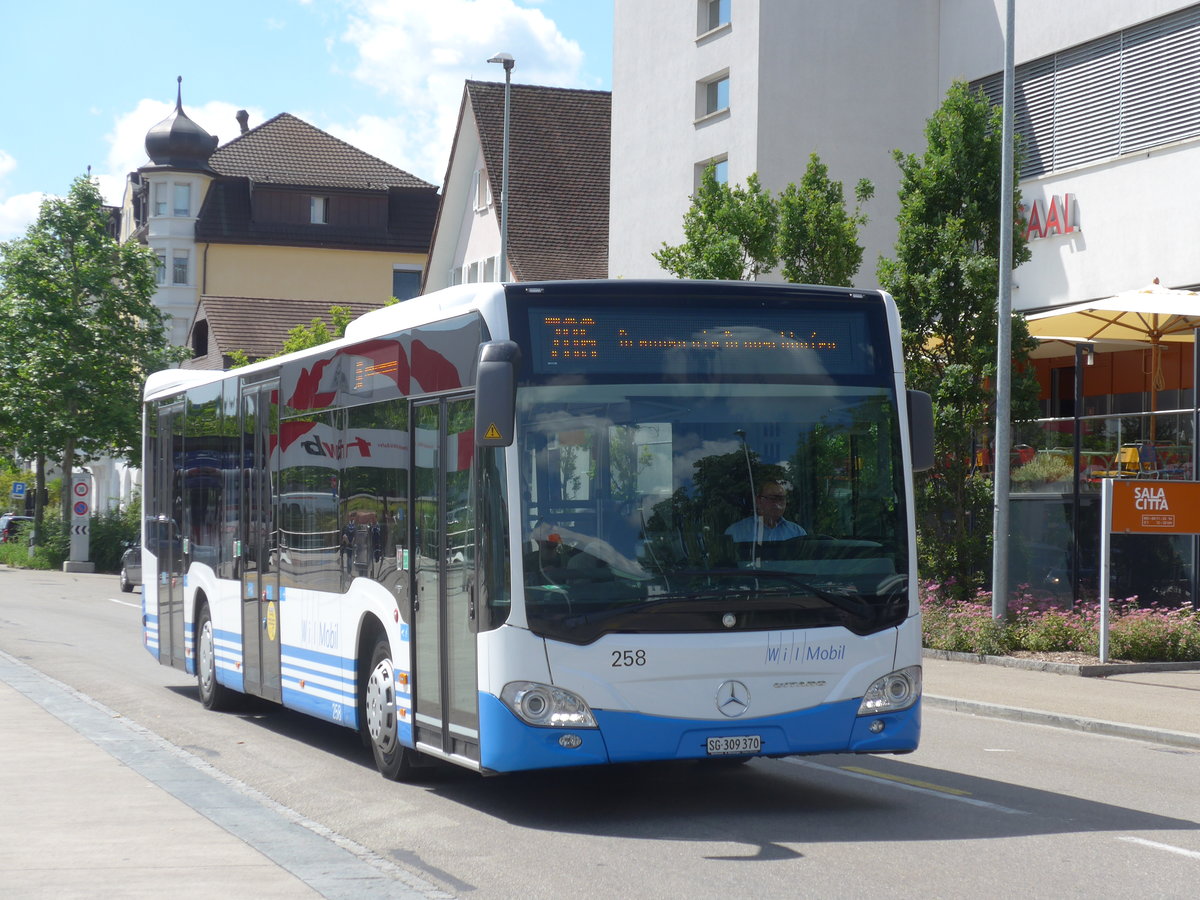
column 733, row 699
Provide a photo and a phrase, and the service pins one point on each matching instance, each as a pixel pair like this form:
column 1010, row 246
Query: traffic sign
column 81, row 508
column 18, row 489
column 81, row 488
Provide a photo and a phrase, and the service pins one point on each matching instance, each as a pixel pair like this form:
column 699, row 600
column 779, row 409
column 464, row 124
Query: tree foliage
column 79, row 333
column 945, row 278
column 741, row 233
column 818, row 239
column 729, row 232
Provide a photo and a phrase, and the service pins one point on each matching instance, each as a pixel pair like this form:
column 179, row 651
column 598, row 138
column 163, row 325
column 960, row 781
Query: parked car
column 10, row 525
column 131, row 567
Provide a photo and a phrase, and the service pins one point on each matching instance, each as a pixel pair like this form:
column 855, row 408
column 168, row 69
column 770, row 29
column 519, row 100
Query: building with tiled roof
column 283, row 212
column 558, row 182
column 256, row 326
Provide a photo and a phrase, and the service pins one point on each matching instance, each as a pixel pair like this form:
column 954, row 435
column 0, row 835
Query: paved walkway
column 1161, row 706
column 94, row 806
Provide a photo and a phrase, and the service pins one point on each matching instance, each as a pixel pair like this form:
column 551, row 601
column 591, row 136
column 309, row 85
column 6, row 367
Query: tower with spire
column 166, row 195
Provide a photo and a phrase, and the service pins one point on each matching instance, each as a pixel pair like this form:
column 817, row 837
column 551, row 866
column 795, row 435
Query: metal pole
column 1000, row 510
column 506, row 60
column 1106, row 501
column 1078, row 447
column 1196, row 459
column 1081, row 351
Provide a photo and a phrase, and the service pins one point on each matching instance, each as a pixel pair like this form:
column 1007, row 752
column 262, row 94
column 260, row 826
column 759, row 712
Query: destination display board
column 621, row 340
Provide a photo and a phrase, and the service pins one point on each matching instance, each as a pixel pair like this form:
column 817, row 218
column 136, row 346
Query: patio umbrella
column 1154, row 315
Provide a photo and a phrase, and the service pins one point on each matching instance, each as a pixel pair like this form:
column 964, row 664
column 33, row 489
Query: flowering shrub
column 1137, row 634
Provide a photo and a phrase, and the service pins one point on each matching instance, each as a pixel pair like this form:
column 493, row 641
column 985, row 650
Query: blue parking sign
column 18, row 490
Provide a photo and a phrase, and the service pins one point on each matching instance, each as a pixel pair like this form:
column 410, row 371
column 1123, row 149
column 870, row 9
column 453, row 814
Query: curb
column 1061, row 720
column 1102, row 670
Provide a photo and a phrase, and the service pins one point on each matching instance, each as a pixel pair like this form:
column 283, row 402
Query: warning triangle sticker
column 492, row 433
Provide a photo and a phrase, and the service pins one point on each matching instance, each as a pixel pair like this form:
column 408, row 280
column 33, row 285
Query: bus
column 536, row 525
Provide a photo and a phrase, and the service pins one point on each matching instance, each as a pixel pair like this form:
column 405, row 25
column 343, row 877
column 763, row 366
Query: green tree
column 945, row 278
column 729, row 232
column 79, row 333
column 817, row 241
column 741, row 233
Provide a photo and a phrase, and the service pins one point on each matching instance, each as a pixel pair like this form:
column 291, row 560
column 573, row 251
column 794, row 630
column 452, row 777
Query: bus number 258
column 623, row 658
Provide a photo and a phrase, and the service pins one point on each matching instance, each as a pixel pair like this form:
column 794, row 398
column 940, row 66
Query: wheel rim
column 381, row 707
column 124, row 577
column 208, row 660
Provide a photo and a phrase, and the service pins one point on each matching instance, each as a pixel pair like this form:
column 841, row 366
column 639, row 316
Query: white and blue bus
column 570, row 523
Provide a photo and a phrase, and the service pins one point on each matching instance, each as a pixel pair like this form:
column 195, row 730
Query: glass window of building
column 183, row 199
column 713, row 14
column 179, row 267
column 318, row 210
column 406, row 283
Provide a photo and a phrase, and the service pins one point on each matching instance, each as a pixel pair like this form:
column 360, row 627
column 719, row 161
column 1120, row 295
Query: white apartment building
column 1108, row 99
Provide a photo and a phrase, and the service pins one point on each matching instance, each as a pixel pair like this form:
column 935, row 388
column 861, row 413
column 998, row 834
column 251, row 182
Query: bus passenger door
column 446, row 704
column 163, row 534
column 260, row 576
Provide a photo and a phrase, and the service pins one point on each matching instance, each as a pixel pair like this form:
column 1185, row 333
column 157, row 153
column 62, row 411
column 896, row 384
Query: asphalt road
column 984, row 807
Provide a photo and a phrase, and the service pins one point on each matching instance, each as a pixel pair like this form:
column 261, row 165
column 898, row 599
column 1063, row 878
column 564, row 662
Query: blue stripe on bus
column 508, row 745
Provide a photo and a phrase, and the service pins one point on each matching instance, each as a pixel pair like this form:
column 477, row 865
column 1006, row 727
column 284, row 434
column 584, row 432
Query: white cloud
column 17, row 213
column 419, row 55
column 7, row 163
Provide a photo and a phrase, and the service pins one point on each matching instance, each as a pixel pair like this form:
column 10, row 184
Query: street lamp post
column 1082, row 352
column 506, row 60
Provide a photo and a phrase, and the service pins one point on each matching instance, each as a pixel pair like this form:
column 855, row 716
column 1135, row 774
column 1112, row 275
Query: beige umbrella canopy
column 1153, row 315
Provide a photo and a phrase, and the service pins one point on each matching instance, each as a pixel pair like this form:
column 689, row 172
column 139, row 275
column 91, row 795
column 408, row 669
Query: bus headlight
column 547, row 706
column 895, row 691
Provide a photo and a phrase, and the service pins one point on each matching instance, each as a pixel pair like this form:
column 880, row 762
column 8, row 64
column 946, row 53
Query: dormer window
column 318, row 210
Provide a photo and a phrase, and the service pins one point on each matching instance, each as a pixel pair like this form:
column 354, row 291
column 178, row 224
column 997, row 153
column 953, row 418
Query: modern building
column 559, row 144
column 284, row 211
column 1107, row 105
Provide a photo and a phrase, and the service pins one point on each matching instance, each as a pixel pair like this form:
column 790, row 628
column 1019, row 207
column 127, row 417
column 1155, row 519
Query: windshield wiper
column 747, row 596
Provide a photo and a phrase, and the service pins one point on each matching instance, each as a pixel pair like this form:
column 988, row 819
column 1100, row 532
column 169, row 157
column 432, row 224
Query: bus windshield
column 691, row 507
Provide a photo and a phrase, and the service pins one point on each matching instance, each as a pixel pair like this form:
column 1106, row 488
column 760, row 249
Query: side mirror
column 496, row 393
column 920, row 430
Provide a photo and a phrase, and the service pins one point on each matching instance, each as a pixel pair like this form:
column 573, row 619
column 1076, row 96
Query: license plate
column 734, row 745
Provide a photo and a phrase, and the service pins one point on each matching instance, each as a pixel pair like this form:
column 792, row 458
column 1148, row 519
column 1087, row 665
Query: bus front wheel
column 381, row 716
column 213, row 695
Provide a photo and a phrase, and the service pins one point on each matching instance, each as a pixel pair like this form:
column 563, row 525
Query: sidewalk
column 1161, row 706
column 96, row 807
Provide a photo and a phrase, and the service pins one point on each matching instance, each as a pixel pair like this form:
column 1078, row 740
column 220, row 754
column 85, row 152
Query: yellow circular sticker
column 272, row 620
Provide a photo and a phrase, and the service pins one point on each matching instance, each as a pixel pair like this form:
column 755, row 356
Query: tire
column 126, row 584
column 380, row 718
column 212, row 695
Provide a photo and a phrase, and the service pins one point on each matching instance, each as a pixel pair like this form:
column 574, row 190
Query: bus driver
column 768, row 524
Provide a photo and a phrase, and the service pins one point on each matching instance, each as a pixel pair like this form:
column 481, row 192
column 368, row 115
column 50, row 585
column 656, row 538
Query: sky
column 84, row 81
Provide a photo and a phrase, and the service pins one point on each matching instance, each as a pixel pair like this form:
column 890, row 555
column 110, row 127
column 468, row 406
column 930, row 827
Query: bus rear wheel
column 381, row 716
column 213, row 695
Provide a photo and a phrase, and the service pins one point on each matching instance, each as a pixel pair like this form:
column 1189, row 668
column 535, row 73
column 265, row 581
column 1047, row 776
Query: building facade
column 1107, row 102
column 284, row 211
column 559, row 144
column 1107, row 105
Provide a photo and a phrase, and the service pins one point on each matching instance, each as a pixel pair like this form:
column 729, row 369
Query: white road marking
column 1192, row 854
column 984, row 804
column 124, row 602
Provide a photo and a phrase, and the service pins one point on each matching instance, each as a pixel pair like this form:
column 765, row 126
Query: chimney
column 243, row 118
